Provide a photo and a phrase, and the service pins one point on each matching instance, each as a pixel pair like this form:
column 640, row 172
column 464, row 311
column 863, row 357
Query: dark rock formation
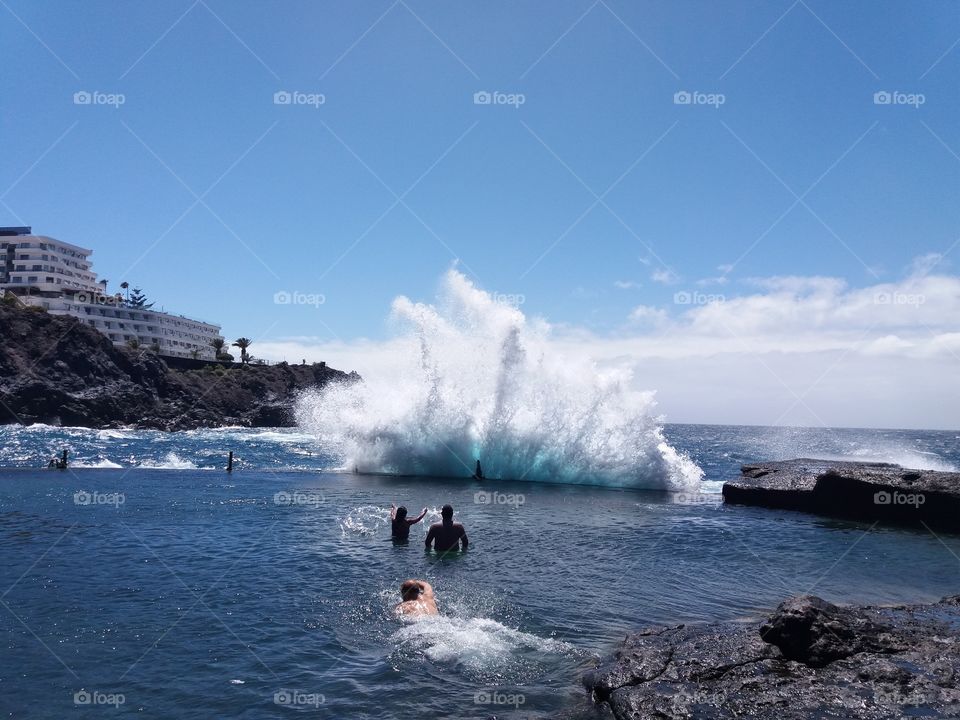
column 56, row 370
column 810, row 659
column 871, row 492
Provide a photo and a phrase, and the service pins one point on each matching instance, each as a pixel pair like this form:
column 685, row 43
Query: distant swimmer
column 418, row 599
column 400, row 523
column 447, row 535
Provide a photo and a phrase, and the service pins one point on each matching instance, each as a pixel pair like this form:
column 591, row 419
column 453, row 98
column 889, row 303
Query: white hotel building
column 56, row 276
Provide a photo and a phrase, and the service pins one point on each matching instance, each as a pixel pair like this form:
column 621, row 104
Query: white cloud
column 664, row 276
column 649, row 315
column 720, row 279
column 926, row 264
column 626, row 285
column 794, row 350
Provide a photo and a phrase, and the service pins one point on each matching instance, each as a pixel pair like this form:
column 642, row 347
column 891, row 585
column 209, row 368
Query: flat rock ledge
column 871, row 492
column 810, row 659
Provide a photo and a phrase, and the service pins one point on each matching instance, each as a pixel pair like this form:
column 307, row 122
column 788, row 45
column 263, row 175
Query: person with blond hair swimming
column 418, row 599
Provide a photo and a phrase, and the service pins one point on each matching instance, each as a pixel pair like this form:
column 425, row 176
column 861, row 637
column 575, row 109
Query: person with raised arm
column 400, row 525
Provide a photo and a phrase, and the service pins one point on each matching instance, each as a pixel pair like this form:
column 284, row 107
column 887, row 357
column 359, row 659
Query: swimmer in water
column 418, row 599
column 447, row 535
column 399, row 524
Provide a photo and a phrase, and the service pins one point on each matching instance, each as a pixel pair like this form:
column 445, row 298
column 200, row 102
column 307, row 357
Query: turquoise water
column 191, row 593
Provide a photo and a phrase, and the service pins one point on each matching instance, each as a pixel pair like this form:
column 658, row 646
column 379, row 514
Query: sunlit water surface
column 269, row 591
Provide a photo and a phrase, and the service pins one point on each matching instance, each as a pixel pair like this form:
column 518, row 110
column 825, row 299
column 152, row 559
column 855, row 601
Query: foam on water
column 365, row 520
column 99, row 464
column 477, row 645
column 475, row 379
column 170, row 461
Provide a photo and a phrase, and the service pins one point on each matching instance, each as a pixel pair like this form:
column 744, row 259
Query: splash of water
column 475, row 379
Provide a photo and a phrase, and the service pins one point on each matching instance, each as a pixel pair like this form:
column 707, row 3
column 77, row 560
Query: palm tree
column 243, row 343
column 126, row 286
column 217, row 345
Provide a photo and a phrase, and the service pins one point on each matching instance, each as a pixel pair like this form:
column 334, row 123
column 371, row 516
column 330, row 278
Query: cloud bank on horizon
column 789, row 350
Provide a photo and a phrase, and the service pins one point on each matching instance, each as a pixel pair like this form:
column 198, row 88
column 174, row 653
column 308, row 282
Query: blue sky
column 597, row 195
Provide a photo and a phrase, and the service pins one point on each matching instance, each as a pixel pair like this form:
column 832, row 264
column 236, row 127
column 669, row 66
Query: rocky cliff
column 58, row 371
column 809, row 659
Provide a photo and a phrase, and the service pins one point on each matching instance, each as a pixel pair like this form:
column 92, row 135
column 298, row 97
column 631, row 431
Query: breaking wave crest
column 475, row 379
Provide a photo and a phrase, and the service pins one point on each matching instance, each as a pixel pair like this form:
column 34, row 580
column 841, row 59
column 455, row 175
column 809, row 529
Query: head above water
column 401, row 512
column 410, row 590
column 447, row 513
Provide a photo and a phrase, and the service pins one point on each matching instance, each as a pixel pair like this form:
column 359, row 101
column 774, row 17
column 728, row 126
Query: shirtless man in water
column 417, row 599
column 447, row 535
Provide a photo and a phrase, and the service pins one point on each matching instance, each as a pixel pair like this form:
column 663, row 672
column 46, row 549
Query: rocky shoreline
column 809, row 659
column 58, row 371
column 871, row 492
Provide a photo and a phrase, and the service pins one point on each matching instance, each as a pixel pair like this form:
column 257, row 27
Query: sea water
column 193, row 593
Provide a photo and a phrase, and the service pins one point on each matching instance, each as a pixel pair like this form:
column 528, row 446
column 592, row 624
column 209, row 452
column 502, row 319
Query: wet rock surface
column 870, row 492
column 809, row 659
